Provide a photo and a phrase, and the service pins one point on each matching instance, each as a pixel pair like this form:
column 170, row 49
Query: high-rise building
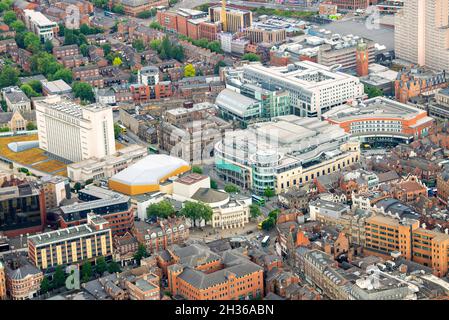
column 73, row 132
column 236, row 19
column 422, row 33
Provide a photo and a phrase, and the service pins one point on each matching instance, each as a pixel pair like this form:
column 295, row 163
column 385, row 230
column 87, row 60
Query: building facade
column 72, row 132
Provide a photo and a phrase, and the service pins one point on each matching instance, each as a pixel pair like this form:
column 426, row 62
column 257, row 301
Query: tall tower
column 223, row 15
column 362, row 59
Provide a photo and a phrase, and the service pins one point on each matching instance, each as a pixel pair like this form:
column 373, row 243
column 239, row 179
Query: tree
column 162, row 209
column 31, row 126
column 217, row 67
column 189, row 70
column 117, row 130
column 274, row 214
column 83, row 91
column 18, row 26
column 138, row 45
column 48, row 45
column 196, row 169
column 118, row 8
column 9, row 17
column 36, row 85
column 155, row 44
column 254, row 210
column 140, row 253
column 268, row 224
column 196, row 211
column 117, row 61
column 269, row 192
column 106, row 48
column 373, row 92
column 59, row 277
column 45, row 285
column 156, row 25
column 251, row 57
column 213, row 184
column 77, row 186
column 231, row 188
column 214, row 46
column 84, row 49
column 29, row 91
column 101, row 266
column 9, row 76
column 147, row 13
column 113, row 267
column 86, row 271
column 63, row 74
column 100, row 3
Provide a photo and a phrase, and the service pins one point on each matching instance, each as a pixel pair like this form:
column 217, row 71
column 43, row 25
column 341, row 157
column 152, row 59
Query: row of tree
column 167, row 49
column 87, row 271
column 213, row 46
column 196, row 211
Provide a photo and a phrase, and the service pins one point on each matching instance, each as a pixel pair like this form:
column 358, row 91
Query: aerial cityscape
column 253, row 150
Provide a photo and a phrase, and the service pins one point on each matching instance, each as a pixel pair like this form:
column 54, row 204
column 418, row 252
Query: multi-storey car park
column 381, row 119
column 286, row 152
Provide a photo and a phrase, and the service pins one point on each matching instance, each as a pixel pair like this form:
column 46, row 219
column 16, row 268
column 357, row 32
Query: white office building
column 148, row 75
column 73, row 132
column 39, row 24
column 313, row 88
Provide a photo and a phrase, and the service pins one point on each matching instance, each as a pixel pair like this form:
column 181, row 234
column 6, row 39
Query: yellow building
column 148, row 175
column 2, row 282
column 385, row 235
column 71, row 245
column 236, row 20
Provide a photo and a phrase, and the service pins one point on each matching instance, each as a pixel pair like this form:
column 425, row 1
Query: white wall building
column 73, row 132
column 39, row 24
column 325, row 208
column 313, row 88
column 148, row 75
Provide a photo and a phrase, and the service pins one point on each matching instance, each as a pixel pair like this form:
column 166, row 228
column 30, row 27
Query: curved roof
column 234, row 102
column 23, row 145
column 150, row 170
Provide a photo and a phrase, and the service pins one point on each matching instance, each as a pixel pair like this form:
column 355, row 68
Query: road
column 190, row 4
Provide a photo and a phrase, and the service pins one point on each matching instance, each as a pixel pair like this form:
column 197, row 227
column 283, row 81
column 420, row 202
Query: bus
column 109, row 14
column 266, row 241
column 152, row 149
column 122, row 128
column 258, row 200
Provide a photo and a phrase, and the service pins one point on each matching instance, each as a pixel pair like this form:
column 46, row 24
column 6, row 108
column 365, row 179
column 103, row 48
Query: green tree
column 83, row 91
column 162, row 209
column 59, row 277
column 269, row 192
column 189, row 70
column 274, row 214
column 77, row 186
column 254, row 210
column 9, row 76
column 36, row 85
column 48, row 45
column 217, row 67
column 63, row 74
column 140, row 253
column 106, row 48
column 214, row 46
column 101, row 3
column 113, row 267
column 268, row 224
column 138, row 45
column 251, row 57
column 155, row 44
column 196, row 169
column 373, row 92
column 31, row 126
column 117, row 61
column 45, row 285
column 213, row 184
column 117, row 130
column 84, row 49
column 29, row 91
column 147, row 14
column 231, row 188
column 9, row 17
column 18, row 26
column 86, row 271
column 118, row 8
column 196, row 211
column 156, row 25
column 101, row 266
